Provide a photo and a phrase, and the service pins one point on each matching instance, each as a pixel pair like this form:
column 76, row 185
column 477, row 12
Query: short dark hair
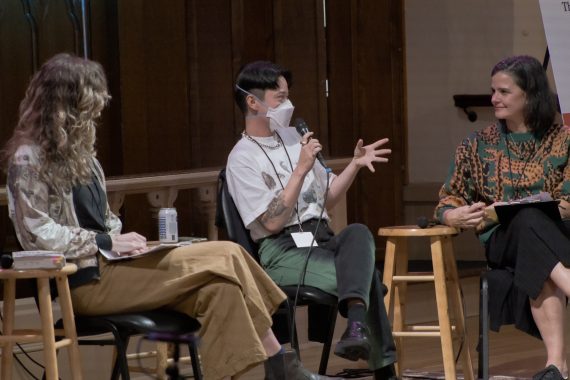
column 530, row 76
column 259, row 75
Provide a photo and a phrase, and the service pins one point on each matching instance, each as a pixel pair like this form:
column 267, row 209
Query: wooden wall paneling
column 340, row 68
column 252, row 40
column 322, row 90
column 134, row 126
column 155, row 117
column 133, row 77
column 104, row 48
column 380, row 193
column 296, row 48
column 74, row 12
column 55, row 29
column 365, row 70
column 152, row 37
column 211, row 90
column 341, row 71
column 167, row 105
column 15, row 65
column 398, row 64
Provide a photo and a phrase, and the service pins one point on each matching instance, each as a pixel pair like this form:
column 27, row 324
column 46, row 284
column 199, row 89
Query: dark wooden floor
column 513, row 354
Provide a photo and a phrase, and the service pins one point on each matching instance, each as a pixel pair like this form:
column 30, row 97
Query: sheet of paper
column 153, row 246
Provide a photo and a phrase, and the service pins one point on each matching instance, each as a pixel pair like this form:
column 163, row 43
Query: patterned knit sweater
column 495, row 165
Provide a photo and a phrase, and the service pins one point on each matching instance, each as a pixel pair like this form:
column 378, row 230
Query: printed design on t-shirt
column 310, row 197
column 285, row 166
column 268, row 180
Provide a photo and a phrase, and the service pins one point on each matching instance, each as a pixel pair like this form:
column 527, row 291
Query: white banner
column 556, row 20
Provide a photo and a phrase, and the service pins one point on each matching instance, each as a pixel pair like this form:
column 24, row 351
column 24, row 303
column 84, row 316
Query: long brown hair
column 58, row 113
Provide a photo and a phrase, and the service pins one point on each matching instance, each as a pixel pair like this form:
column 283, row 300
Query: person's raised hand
column 365, row 155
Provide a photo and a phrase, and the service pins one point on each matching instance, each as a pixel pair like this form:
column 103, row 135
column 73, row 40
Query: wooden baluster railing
column 162, row 190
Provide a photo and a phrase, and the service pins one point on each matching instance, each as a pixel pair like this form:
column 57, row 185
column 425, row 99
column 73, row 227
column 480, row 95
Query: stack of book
column 38, row 260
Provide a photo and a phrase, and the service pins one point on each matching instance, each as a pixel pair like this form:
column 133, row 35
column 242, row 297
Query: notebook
column 507, row 212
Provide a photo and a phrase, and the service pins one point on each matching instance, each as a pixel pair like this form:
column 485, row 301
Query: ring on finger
column 303, row 142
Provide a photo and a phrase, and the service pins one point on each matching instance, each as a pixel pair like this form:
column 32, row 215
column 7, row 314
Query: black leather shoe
column 354, row 342
column 549, row 373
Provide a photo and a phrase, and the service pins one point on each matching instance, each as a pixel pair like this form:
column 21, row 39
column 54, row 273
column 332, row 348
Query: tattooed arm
column 282, row 207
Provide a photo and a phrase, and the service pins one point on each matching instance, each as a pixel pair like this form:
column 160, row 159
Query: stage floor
column 513, row 354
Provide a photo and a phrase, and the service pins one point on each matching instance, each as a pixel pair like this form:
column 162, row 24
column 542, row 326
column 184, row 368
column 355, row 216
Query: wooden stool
column 47, row 333
column 445, row 279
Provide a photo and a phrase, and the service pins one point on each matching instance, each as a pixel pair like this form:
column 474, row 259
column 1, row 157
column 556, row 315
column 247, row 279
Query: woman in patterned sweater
column 523, row 155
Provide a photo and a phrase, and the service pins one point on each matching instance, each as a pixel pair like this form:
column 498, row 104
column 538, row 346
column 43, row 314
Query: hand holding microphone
column 302, row 128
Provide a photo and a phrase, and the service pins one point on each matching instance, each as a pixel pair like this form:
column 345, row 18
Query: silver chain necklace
column 270, row 147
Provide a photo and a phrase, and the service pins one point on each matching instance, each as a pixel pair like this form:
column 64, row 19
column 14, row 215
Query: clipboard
column 506, row 213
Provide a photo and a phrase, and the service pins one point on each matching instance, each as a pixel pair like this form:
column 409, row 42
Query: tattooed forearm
column 276, row 208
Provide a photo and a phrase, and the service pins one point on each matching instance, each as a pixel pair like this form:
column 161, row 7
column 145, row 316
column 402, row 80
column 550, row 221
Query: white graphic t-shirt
column 254, row 182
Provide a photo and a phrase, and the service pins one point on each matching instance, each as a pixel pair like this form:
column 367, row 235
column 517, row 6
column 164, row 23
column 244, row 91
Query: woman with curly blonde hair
column 58, row 112
column 58, row 202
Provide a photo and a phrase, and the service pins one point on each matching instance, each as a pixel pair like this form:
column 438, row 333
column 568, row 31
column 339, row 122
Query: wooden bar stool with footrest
column 46, row 334
column 445, row 280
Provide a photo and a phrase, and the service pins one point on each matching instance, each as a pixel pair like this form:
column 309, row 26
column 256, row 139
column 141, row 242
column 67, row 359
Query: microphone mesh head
column 301, row 126
column 423, row 222
column 6, row 261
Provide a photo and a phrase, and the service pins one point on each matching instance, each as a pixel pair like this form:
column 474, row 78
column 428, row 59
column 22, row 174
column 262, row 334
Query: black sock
column 387, row 372
column 357, row 313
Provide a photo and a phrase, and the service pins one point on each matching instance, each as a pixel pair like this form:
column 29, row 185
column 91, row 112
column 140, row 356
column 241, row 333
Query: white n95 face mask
column 280, row 116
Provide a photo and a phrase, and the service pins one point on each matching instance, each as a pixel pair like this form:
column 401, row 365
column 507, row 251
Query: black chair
column 124, row 326
column 483, row 345
column 488, row 276
column 227, row 217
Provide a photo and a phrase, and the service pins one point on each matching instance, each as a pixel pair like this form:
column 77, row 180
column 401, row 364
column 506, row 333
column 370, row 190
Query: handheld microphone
column 424, row 222
column 302, row 128
column 6, row 261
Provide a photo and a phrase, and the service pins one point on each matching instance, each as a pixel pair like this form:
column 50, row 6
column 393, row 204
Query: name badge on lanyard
column 303, row 239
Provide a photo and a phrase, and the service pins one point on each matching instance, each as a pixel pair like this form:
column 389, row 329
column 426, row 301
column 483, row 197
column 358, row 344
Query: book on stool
column 38, row 260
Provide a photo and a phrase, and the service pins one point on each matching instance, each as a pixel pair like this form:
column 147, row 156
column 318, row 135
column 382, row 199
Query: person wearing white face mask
column 279, row 191
column 279, row 116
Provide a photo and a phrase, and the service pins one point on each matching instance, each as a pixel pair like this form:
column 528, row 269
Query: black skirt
column 521, row 255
